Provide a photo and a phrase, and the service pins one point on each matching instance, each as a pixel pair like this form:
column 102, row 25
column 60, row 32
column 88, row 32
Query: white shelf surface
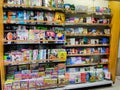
column 84, row 85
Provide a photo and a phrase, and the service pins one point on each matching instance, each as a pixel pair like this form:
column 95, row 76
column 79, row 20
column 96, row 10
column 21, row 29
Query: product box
column 8, row 85
column 16, row 85
column 24, row 84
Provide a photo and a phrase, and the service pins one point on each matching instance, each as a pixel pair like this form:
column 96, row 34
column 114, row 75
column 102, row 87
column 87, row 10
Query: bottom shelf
column 85, row 85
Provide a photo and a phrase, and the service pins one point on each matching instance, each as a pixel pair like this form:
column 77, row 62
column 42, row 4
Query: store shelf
column 85, row 24
column 91, row 64
column 50, row 24
column 34, row 22
column 87, row 45
column 34, row 61
column 72, row 55
column 25, row 7
column 85, row 85
column 88, row 35
column 86, row 12
column 32, row 41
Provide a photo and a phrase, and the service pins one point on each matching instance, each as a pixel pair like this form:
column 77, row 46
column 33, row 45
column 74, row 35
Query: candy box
column 24, row 84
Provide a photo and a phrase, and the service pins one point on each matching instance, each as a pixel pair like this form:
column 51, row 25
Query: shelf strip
column 87, row 45
column 87, row 54
column 91, row 64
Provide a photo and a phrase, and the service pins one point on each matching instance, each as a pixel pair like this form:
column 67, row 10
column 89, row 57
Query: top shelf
column 25, row 7
column 18, row 6
column 86, row 12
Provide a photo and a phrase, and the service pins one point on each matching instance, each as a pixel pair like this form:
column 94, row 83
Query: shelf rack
column 113, row 40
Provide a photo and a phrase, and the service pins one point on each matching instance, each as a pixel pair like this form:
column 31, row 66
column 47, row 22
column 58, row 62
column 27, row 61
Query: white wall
column 102, row 3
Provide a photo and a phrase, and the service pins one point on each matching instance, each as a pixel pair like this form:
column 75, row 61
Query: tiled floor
column 115, row 86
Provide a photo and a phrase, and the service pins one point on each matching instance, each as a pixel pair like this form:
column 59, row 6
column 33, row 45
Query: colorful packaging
column 83, row 77
column 16, row 85
column 61, row 80
column 40, row 82
column 8, row 85
column 24, row 84
column 32, row 83
column 92, row 76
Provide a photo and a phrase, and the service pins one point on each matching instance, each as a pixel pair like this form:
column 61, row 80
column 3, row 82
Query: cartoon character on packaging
column 50, row 35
